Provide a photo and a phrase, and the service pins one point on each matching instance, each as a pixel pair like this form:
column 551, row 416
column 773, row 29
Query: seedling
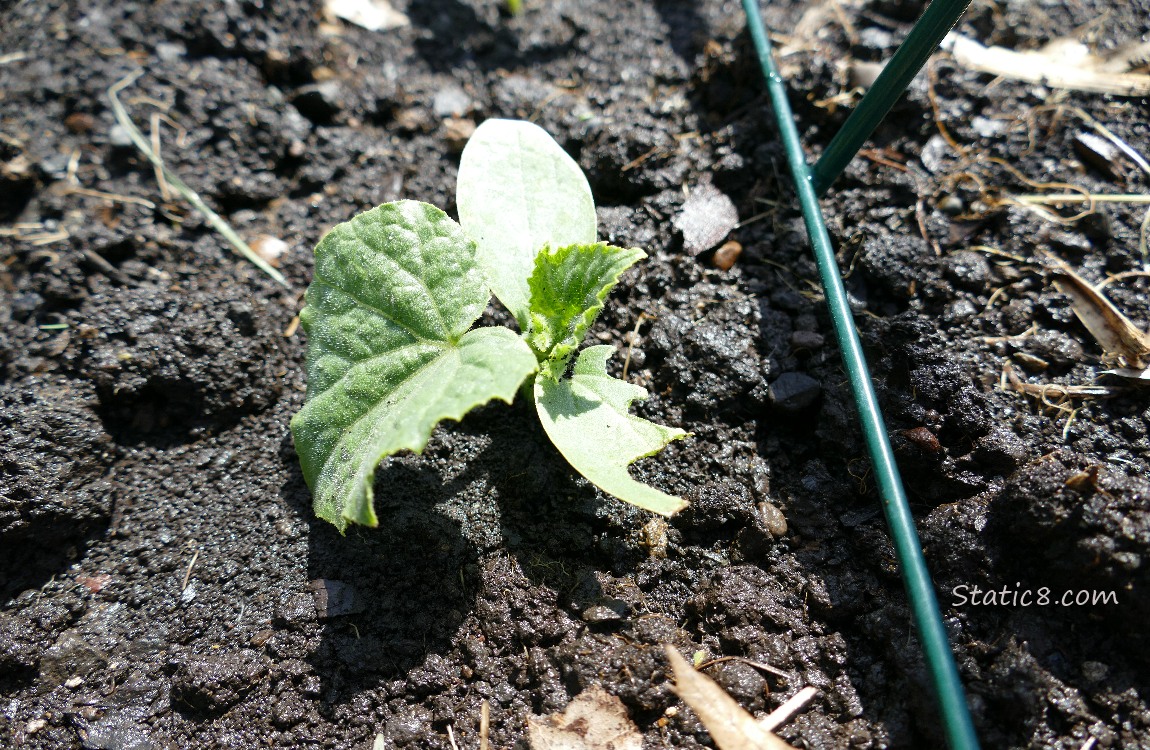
column 391, row 350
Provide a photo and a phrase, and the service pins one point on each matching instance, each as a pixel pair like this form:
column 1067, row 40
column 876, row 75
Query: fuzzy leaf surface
column 586, row 416
column 518, row 190
column 389, row 351
column 568, row 287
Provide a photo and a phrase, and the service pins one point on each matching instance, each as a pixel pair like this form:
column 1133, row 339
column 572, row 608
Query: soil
column 165, row 584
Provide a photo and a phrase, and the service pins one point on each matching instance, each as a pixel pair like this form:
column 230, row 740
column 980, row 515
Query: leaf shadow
column 485, row 490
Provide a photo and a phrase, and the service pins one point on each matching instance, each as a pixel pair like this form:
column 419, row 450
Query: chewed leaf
column 568, row 287
column 389, row 351
column 518, row 190
column 586, row 416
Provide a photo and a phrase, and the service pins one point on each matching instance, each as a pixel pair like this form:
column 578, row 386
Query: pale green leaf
column 586, row 416
column 389, row 351
column 568, row 287
column 518, row 190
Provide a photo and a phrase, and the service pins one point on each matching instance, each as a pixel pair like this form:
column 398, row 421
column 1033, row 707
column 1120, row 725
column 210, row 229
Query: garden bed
column 165, row 583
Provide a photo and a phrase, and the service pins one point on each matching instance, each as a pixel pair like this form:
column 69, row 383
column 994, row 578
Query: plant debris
column 594, row 720
column 1062, row 63
column 729, row 725
column 705, row 220
column 373, row 15
column 1123, row 343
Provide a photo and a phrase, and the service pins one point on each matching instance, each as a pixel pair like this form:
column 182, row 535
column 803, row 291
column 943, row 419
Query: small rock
column 773, row 519
column 726, row 255
column 807, row 340
column 951, row 205
column 706, row 218
column 793, row 391
column 611, row 610
column 70, row 656
column 457, row 132
column 119, row 137
column 450, row 101
column 80, row 122
column 170, row 51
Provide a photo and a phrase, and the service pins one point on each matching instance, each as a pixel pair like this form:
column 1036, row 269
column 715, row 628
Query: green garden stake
column 946, row 686
column 935, row 23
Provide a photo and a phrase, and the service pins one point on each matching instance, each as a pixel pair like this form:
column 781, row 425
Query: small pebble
column 807, row 340
column 726, row 255
column 80, row 122
column 457, row 131
column 793, row 391
column 773, row 519
column 951, row 205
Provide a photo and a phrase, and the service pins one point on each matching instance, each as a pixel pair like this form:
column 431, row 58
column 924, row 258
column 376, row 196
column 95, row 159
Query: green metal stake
column 946, row 685
column 938, row 19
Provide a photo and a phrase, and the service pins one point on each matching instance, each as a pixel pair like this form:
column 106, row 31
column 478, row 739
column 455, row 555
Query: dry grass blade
column 729, row 725
column 1124, row 343
column 179, row 186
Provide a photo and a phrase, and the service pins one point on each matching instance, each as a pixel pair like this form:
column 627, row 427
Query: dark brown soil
column 165, row 584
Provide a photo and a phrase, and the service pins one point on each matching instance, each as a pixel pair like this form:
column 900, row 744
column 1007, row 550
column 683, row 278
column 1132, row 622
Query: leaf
column 389, row 351
column 568, row 287
column 729, row 725
column 586, row 417
column 518, row 190
column 595, row 720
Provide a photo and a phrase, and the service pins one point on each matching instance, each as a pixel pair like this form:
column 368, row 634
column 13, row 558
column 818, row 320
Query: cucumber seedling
column 391, row 350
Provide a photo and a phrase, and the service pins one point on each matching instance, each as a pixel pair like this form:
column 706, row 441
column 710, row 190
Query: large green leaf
column 586, row 416
column 389, row 351
column 568, row 287
column 518, row 190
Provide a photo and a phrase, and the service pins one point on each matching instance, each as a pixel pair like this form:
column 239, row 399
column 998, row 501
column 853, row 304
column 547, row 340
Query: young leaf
column 389, row 351
column 518, row 190
column 568, row 287
column 586, row 417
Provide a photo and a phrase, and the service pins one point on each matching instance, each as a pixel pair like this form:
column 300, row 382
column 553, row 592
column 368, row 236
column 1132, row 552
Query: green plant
column 391, row 351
